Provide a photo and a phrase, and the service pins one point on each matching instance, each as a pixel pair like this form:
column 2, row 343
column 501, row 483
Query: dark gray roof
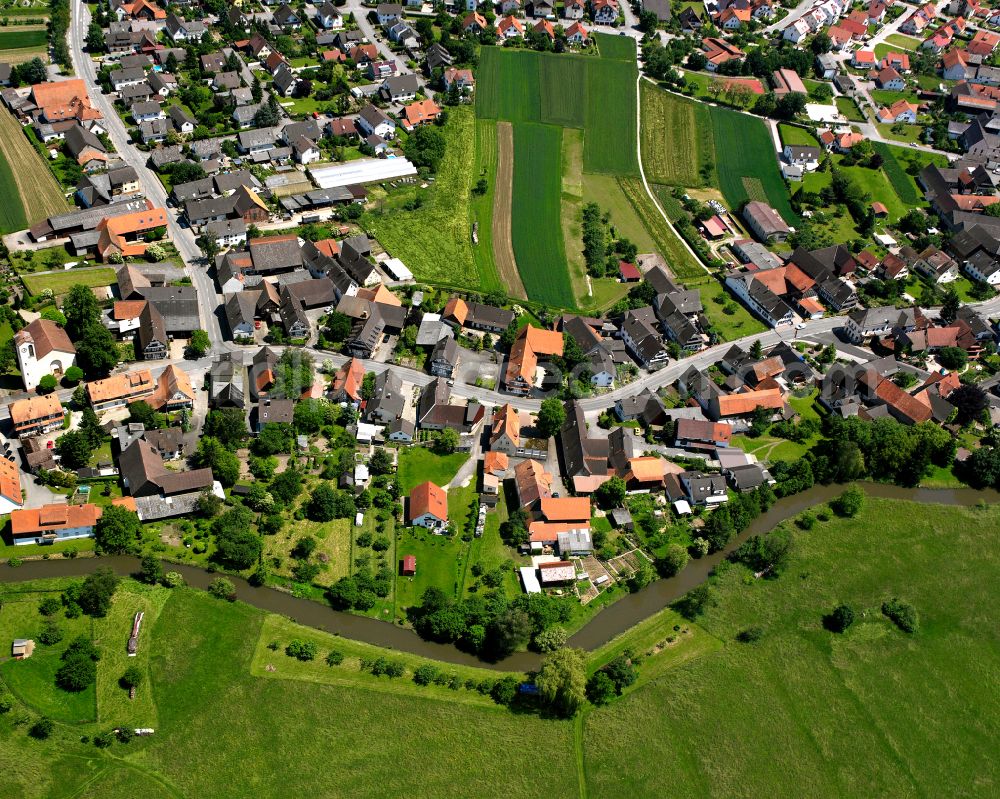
column 178, row 305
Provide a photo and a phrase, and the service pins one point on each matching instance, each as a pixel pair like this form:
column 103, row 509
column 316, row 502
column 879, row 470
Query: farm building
column 364, row 170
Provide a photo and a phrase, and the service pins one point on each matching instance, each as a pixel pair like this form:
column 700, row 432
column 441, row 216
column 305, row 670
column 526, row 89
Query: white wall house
column 43, row 348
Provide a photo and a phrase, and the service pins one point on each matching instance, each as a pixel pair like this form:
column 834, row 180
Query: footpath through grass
column 419, row 464
column 867, row 713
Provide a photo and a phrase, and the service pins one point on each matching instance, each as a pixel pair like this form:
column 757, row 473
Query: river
column 607, row 624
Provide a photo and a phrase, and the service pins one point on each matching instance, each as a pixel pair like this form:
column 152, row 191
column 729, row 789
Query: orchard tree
column 96, row 592
column 118, row 530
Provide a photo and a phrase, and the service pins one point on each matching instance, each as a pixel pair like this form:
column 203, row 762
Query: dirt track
column 503, row 250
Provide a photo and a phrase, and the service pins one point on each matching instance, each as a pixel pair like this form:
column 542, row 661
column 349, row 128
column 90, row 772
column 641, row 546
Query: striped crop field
column 536, row 230
column 508, row 85
column 563, row 91
column 677, row 143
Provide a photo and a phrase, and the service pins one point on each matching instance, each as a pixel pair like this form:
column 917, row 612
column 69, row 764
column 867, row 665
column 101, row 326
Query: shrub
column 840, row 619
column 425, row 675
column 51, row 633
column 849, row 503
column 504, row 691
column 806, row 521
column 173, row 579
column 334, row 657
column 49, row 606
column 750, row 635
column 902, row 614
column 301, row 650
column 41, row 729
column 222, row 588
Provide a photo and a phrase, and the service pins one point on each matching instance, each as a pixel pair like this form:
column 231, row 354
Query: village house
column 428, row 507
column 51, row 523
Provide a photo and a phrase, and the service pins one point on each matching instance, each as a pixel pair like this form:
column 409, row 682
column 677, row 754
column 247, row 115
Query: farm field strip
column 571, row 212
column 481, row 205
column 563, row 87
column 749, row 152
column 11, row 208
column 503, row 248
column 621, row 48
column 22, row 37
column 681, row 262
column 676, row 138
column 508, row 85
column 536, row 231
column 609, row 143
column 36, row 186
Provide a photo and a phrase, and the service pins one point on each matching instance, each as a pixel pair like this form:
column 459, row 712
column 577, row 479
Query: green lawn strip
column 16, row 38
column 349, row 673
column 536, row 232
column 419, row 464
column 571, row 213
column 481, row 206
column 435, row 240
column 750, row 159
column 911, row 134
column 111, row 635
column 508, row 85
column 441, row 563
column 490, row 552
column 895, row 163
column 60, row 283
column 33, row 681
column 902, row 697
column 333, row 541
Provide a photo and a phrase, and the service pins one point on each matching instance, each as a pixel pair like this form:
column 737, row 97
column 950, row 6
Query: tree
column 150, row 569
column 641, row 577
column 849, row 503
column 611, row 493
column 90, row 427
column 198, row 344
column 821, row 43
column 338, row 326
column 950, row 306
column 840, row 619
column 256, row 92
column 74, row 449
column 322, row 505
column 33, row 71
column 694, row 602
column 213, row 455
column 551, row 639
column 551, row 416
column 562, row 681
column 228, row 425
column 446, row 441
column 286, row 486
column 380, row 462
column 954, row 358
column 142, row 413
column 96, row 592
column 600, row 688
column 301, row 650
column 118, row 530
column 238, row 546
column 79, row 665
column 132, row 678
column 425, row 147
column 970, row 401
column 47, row 384
column 674, row 559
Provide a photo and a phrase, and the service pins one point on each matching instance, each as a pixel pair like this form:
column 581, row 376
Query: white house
column 10, row 487
column 984, row 268
column 371, row 121
column 43, row 348
column 428, row 507
column 328, row 17
column 797, row 31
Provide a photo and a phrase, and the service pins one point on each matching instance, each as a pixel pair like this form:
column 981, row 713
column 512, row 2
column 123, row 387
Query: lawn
column 419, row 464
column 536, row 232
column 794, row 135
column 905, row 42
column 621, row 48
column 60, row 283
column 716, row 301
column 111, row 634
column 40, row 194
column 481, row 206
column 490, row 552
column 435, row 240
column 441, row 561
column 677, row 144
column 508, row 85
column 912, row 134
column 849, row 109
column 900, row 164
column 33, row 680
column 883, row 702
column 333, row 542
column 749, row 170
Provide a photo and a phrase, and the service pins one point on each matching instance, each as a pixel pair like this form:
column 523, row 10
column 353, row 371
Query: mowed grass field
column 418, row 465
column 435, row 240
column 610, row 138
column 621, row 48
column 26, row 181
column 805, row 712
column 749, row 168
column 536, row 230
column 61, row 282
